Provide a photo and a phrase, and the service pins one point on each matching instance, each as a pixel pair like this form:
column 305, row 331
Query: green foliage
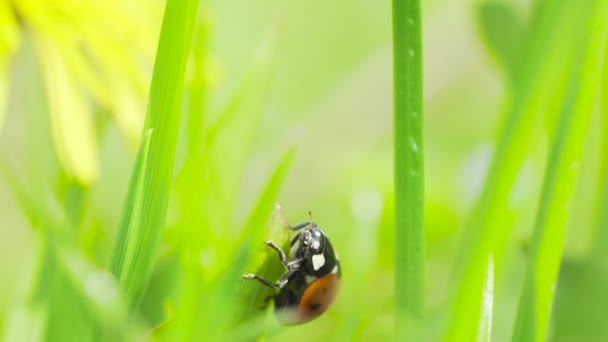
column 538, row 80
column 498, row 233
column 131, row 242
column 503, row 29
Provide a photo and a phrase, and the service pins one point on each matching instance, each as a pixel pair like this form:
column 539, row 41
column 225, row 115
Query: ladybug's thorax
column 313, row 246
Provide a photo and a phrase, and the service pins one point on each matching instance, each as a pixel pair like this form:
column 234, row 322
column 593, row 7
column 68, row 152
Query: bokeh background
column 75, row 78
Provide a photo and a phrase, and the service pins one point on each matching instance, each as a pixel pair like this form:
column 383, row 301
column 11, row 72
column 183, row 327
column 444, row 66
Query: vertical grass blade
column 491, row 220
column 123, row 255
column 598, row 247
column 560, row 174
column 409, row 248
column 145, row 208
column 485, row 321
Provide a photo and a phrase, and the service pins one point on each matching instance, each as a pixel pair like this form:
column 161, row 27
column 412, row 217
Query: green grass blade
column 545, row 255
column 264, row 263
column 491, row 219
column 503, row 31
column 145, row 208
column 228, row 140
column 409, row 200
column 598, row 248
column 97, row 289
column 27, row 318
column 254, row 296
column 267, row 199
column 122, row 261
column 485, row 321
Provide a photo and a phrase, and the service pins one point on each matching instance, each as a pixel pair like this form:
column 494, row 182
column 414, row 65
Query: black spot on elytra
column 314, row 306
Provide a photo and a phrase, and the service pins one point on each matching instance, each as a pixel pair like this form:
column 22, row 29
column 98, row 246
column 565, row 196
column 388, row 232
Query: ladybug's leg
column 264, row 281
column 286, row 278
column 295, row 264
column 280, row 251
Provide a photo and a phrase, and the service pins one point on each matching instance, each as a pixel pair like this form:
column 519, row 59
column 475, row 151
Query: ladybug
column 312, row 278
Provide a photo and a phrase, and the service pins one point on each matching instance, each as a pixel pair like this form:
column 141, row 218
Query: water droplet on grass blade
column 413, row 145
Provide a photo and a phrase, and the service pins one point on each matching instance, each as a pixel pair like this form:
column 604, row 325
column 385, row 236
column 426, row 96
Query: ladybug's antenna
column 310, row 218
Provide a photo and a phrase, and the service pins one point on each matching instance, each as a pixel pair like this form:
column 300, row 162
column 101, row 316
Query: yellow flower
column 92, row 54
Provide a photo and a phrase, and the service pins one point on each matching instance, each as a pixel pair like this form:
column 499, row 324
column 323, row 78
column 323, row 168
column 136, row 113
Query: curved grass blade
column 227, row 141
column 408, row 159
column 268, row 197
column 545, row 255
column 146, row 204
column 264, row 263
column 210, row 179
column 123, row 261
column 253, row 296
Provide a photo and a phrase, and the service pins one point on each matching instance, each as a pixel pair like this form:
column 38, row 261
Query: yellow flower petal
column 9, row 41
column 71, row 118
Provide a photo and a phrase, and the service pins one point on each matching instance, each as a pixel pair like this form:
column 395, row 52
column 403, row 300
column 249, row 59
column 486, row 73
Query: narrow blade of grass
column 598, row 248
column 491, row 219
column 146, row 204
column 503, row 31
column 545, row 255
column 255, row 296
column 264, row 263
column 210, row 179
column 580, row 300
column 409, row 199
column 484, row 333
column 122, row 262
column 229, row 140
column 268, row 198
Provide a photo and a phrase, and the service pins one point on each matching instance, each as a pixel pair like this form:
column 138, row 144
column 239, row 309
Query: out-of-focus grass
column 536, row 81
column 324, row 89
column 561, row 172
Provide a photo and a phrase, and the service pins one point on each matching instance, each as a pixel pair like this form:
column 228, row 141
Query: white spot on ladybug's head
column 335, row 270
column 309, row 279
column 318, row 260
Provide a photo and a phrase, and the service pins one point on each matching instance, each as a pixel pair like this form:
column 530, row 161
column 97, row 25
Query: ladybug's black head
column 313, row 239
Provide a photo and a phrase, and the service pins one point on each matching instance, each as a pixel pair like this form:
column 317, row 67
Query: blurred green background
column 310, row 80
